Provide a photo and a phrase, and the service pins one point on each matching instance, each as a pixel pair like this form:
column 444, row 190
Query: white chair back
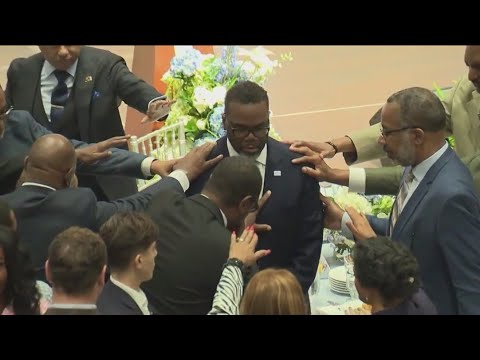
column 164, row 144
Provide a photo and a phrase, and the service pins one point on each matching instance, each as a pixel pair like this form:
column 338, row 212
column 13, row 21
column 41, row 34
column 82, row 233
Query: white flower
column 344, row 198
column 218, row 95
column 201, row 98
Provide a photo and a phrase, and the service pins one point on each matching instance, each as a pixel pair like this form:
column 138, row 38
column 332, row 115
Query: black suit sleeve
column 121, row 162
column 137, row 202
column 11, row 82
column 133, row 91
column 310, row 237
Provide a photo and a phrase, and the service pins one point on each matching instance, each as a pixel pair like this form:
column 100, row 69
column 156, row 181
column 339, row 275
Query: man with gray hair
column 436, row 213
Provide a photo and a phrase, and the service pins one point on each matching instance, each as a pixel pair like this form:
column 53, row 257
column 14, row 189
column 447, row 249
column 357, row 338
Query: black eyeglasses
column 257, row 132
column 386, row 132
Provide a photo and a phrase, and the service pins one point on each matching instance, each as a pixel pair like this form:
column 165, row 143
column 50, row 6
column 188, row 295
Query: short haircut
column 76, row 258
column 233, row 179
column 126, row 235
column 420, row 107
column 387, row 266
column 245, row 92
column 273, row 292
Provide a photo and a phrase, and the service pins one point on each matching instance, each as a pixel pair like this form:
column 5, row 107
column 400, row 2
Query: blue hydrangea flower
column 186, row 63
column 215, row 120
column 222, row 70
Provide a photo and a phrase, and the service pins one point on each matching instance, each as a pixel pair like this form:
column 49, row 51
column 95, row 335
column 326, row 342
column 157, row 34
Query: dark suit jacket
column 43, row 213
column 440, row 224
column 115, row 301
column 22, row 131
column 192, row 248
column 294, row 212
column 102, row 79
column 418, row 304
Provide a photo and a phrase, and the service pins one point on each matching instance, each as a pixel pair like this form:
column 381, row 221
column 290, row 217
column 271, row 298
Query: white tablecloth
column 320, row 293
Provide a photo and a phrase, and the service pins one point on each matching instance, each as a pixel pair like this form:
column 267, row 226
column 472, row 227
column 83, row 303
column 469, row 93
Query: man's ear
column 70, row 178
column 101, row 278
column 25, row 161
column 48, row 272
column 247, row 204
column 137, row 260
column 419, row 136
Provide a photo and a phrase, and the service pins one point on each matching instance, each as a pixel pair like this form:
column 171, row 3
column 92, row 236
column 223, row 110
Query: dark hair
column 126, row 235
column 233, row 179
column 421, row 108
column 387, row 266
column 5, row 218
column 76, row 258
column 21, row 289
column 245, row 92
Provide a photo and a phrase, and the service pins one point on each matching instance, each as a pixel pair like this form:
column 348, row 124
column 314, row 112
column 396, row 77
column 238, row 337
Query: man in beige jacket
column 462, row 104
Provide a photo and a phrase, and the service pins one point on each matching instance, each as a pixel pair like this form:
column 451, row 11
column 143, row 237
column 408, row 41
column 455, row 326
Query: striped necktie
column 400, row 200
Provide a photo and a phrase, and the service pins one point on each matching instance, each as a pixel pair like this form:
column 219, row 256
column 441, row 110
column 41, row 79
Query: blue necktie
column 59, row 96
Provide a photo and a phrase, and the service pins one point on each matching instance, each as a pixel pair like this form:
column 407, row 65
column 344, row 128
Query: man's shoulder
column 19, row 118
column 282, row 150
column 19, row 64
column 99, row 55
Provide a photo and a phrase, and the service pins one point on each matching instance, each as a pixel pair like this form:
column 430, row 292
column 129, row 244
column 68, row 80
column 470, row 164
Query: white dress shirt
column 260, row 161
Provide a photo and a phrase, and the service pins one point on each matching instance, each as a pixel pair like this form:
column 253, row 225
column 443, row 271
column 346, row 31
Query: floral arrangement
column 376, row 205
column 198, row 82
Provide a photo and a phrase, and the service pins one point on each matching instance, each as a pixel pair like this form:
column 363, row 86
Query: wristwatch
column 236, row 262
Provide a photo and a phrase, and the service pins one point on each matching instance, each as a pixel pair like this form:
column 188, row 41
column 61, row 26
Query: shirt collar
column 261, row 158
column 137, row 295
column 72, row 306
column 421, row 169
column 27, row 183
column 48, row 69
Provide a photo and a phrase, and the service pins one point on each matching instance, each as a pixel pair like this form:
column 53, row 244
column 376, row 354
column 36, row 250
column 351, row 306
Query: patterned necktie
column 59, row 96
column 401, row 197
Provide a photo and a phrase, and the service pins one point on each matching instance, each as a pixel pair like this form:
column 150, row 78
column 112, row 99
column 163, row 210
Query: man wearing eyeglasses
column 462, row 104
column 436, row 213
column 292, row 217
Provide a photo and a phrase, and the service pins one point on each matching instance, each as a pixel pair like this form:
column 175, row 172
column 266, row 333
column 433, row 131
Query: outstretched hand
column 101, row 150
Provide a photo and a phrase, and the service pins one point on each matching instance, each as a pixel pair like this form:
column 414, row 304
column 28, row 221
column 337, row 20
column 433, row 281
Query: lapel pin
column 88, row 79
column 277, row 173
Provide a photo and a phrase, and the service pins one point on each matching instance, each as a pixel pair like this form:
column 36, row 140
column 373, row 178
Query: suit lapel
column 31, row 89
column 418, row 195
column 274, row 168
column 83, row 91
column 220, row 149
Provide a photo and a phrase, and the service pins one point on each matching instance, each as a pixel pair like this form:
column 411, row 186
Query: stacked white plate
column 338, row 280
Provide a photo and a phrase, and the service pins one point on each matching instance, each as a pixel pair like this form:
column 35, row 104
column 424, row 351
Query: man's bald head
column 51, row 161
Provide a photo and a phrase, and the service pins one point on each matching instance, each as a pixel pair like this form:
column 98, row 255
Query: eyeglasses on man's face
column 386, row 132
column 258, row 132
